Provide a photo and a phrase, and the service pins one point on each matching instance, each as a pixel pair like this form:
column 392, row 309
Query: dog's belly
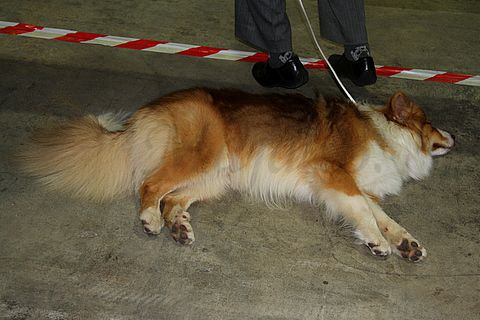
column 268, row 179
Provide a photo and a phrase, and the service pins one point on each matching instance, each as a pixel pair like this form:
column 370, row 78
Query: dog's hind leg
column 168, row 178
column 177, row 203
column 185, row 174
column 194, row 151
column 401, row 242
column 177, row 171
column 152, row 191
column 177, row 218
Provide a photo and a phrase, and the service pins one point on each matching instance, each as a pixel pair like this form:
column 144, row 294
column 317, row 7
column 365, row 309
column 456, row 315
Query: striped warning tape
column 28, row 30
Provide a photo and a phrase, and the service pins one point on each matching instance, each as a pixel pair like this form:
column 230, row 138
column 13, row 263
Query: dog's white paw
column 377, row 244
column 151, row 220
column 379, row 248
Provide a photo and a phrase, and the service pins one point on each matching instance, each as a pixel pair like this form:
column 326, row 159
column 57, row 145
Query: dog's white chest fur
column 377, row 172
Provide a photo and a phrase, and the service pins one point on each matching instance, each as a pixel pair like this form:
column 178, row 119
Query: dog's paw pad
column 182, row 230
column 411, row 250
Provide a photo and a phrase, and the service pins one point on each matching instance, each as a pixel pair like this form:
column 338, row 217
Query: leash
column 321, row 52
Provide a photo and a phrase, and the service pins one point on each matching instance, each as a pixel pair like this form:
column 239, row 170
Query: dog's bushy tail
column 86, row 157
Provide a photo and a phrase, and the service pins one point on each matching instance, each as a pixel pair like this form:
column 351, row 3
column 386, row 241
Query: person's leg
column 265, row 24
column 343, row 21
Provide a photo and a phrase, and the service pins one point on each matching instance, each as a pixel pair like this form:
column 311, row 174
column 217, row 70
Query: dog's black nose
column 453, row 137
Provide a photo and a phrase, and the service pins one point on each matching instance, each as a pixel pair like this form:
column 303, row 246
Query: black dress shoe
column 360, row 72
column 291, row 75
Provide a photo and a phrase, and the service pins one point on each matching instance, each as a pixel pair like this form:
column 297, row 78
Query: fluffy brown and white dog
column 196, row 144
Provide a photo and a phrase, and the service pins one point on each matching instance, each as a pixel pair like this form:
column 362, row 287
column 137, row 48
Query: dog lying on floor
column 196, row 144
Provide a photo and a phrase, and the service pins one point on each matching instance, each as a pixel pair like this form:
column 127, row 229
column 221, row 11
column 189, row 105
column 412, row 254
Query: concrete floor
column 67, row 259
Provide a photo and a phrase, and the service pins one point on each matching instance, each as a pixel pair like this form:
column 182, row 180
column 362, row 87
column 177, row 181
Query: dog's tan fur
column 195, row 144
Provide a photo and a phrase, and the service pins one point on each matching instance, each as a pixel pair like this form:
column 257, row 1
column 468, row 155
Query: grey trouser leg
column 343, row 21
column 264, row 24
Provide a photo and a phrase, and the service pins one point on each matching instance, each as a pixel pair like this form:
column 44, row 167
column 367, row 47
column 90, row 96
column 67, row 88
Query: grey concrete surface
column 67, row 259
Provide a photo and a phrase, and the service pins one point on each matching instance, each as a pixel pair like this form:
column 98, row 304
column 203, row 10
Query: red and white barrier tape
column 28, row 30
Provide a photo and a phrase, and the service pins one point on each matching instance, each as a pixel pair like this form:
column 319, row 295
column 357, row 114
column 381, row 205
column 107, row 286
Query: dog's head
column 413, row 138
column 407, row 114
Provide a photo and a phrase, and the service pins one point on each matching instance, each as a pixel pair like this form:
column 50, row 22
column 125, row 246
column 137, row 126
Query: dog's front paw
column 377, row 244
column 151, row 220
column 410, row 249
column 379, row 249
column 182, row 230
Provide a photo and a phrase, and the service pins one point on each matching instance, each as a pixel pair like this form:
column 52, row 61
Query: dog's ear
column 400, row 108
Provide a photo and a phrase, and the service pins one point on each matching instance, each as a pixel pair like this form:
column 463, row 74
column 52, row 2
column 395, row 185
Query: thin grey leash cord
column 321, row 52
